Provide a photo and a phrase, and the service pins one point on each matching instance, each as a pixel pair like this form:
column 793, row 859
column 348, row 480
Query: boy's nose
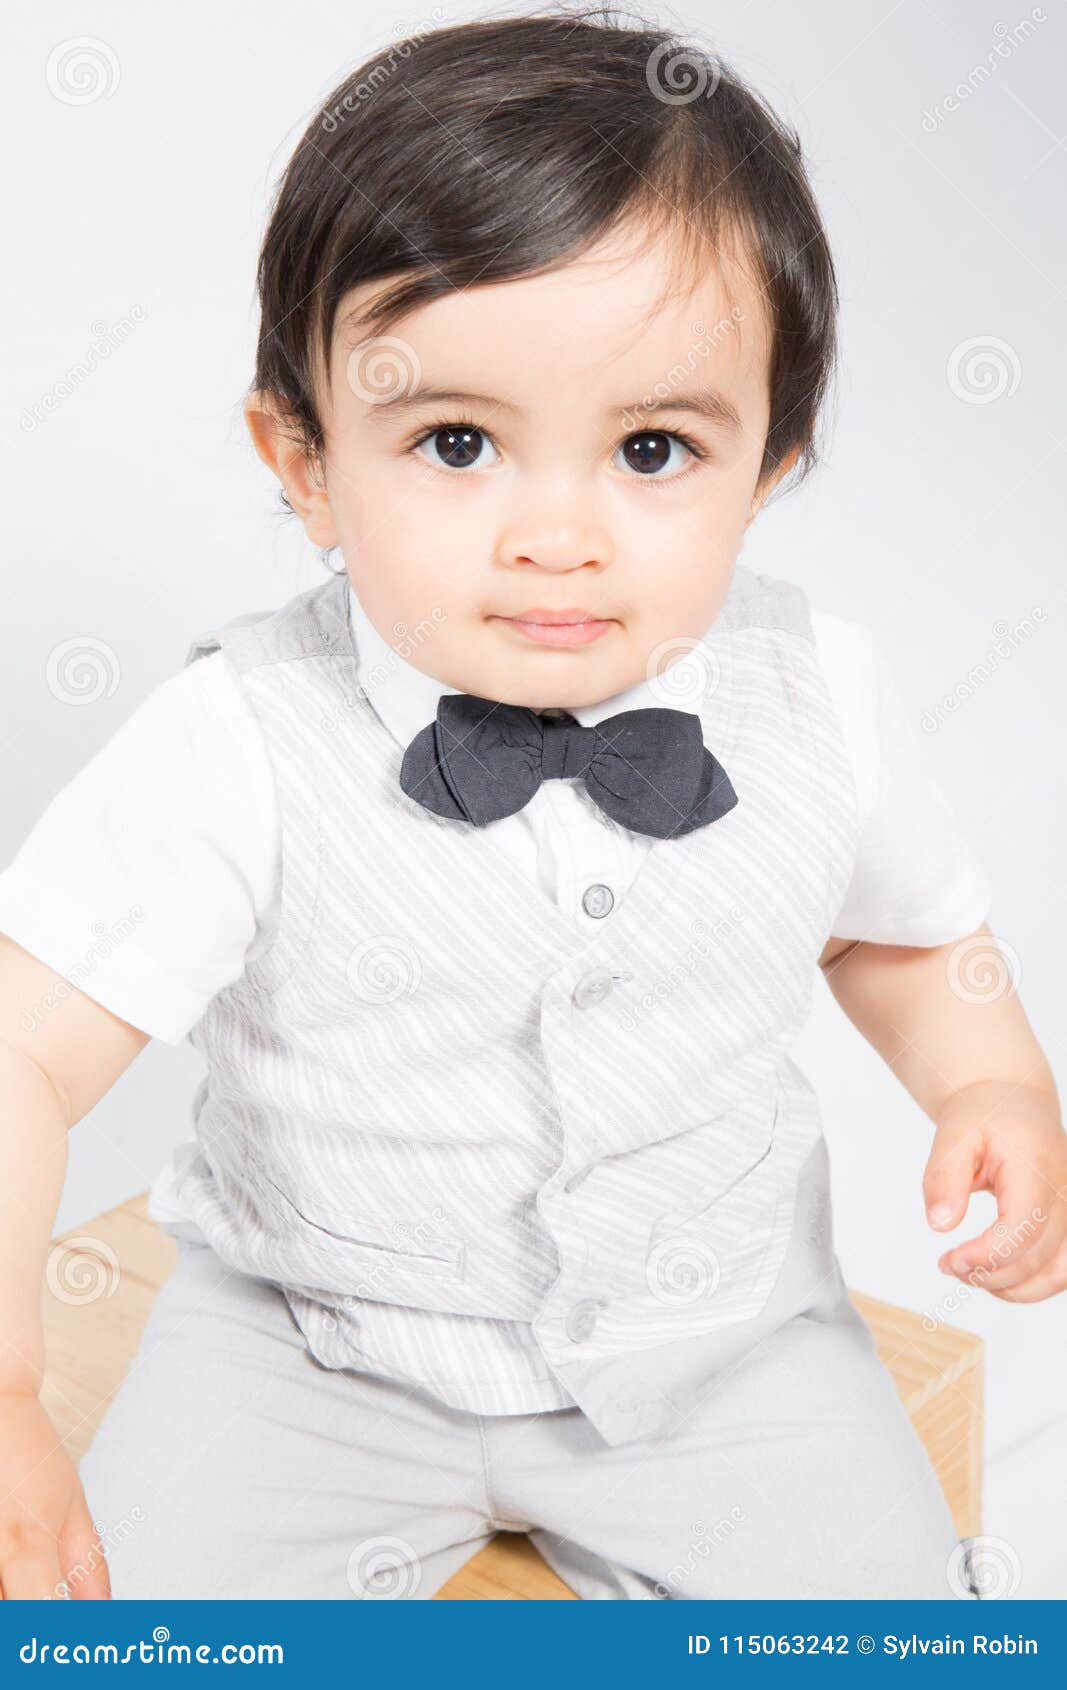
column 558, row 549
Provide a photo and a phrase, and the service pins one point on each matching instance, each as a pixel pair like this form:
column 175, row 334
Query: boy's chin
column 552, row 679
column 564, row 696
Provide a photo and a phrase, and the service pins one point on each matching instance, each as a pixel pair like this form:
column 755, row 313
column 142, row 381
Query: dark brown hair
column 501, row 147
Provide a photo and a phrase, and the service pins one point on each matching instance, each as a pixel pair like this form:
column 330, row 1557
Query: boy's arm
column 949, row 1023
column 59, row 1053
column 938, row 1033
column 56, row 1063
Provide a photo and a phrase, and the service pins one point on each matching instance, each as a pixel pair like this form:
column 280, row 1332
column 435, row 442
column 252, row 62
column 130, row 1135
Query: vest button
column 591, row 988
column 581, row 1321
column 598, row 899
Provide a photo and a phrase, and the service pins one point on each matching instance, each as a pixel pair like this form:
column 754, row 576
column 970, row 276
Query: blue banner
column 516, row 1644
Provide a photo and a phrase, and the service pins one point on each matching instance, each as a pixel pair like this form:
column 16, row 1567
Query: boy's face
column 552, row 476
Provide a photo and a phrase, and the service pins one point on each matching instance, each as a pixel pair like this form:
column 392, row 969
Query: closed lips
column 559, row 627
column 554, row 617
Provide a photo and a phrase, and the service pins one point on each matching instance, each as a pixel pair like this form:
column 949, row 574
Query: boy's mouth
column 557, row 627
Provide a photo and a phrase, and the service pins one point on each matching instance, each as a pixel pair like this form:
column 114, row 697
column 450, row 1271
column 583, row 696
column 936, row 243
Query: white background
column 137, row 513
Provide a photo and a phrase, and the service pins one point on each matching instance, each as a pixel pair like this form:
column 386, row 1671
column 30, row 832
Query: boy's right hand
column 48, row 1544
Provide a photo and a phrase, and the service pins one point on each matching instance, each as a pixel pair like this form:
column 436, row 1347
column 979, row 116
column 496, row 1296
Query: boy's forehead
column 616, row 328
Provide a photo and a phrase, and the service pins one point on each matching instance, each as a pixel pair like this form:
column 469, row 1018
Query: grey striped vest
column 436, row 1113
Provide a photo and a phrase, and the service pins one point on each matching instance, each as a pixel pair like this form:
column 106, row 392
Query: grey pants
column 232, row 1464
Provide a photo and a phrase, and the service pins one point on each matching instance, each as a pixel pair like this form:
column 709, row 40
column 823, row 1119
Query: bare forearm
column 55, row 1065
column 33, row 1163
column 1009, row 1108
column 945, row 1022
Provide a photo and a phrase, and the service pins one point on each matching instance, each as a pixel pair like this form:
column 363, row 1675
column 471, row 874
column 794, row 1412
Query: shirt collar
column 406, row 698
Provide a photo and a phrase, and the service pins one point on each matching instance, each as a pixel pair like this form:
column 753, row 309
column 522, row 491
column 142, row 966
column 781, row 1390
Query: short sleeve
column 152, row 874
column 916, row 878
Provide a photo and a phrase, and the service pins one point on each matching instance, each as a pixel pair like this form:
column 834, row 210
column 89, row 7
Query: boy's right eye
column 456, row 446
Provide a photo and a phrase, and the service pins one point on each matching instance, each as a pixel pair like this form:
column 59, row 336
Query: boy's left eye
column 648, row 453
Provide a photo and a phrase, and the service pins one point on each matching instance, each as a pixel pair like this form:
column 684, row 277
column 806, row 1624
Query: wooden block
column 939, row 1379
column 102, row 1278
column 100, row 1282
column 507, row 1569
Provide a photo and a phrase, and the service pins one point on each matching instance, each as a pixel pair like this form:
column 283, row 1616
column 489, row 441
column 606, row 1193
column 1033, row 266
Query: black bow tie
column 648, row 769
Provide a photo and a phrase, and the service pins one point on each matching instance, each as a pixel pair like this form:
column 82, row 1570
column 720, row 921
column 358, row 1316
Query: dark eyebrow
column 410, row 400
column 714, row 407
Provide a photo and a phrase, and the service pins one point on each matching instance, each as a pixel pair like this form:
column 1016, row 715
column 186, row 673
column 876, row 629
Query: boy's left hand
column 1007, row 1139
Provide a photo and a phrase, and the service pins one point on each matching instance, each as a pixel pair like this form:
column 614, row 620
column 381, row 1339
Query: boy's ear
column 275, row 439
column 765, row 488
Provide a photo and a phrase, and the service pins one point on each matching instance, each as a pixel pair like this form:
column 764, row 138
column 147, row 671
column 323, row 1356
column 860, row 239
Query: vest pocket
column 757, row 1147
column 369, row 1250
column 708, row 1261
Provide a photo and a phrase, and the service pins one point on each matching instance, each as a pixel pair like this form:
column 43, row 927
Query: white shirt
column 153, row 873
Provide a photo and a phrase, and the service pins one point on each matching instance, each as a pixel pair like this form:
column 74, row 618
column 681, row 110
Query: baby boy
column 490, row 877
